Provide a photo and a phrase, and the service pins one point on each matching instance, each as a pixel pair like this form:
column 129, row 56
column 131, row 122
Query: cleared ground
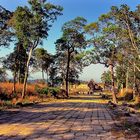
column 82, row 117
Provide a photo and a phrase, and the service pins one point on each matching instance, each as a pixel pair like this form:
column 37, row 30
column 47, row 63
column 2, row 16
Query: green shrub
column 49, row 91
column 42, row 91
column 54, row 91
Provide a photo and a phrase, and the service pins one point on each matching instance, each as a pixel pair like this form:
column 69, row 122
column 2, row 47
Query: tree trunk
column 19, row 76
column 112, row 84
column 134, row 82
column 127, row 79
column 43, row 75
column 67, row 75
column 19, row 66
column 14, row 82
column 47, row 76
column 26, row 73
column 64, row 83
column 131, row 35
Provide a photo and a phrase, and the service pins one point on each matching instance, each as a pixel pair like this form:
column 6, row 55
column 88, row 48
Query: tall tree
column 43, row 59
column 31, row 25
column 16, row 62
column 71, row 42
column 115, row 36
column 53, row 74
column 105, row 44
column 129, row 21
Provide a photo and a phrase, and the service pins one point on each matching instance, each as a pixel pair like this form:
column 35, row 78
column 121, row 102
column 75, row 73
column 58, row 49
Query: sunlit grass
column 90, row 99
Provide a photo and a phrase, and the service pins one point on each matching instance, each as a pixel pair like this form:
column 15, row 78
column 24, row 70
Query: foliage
column 115, row 41
column 31, row 25
column 5, row 33
column 41, row 15
column 42, row 91
column 53, row 75
column 68, row 46
column 128, row 21
column 43, row 60
column 3, row 75
column 16, row 62
column 106, row 77
column 53, row 91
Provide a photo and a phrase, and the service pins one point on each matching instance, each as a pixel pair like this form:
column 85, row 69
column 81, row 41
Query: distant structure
column 93, row 87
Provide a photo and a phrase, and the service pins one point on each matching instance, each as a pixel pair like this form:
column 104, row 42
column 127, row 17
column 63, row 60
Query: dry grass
column 8, row 88
column 125, row 91
column 82, row 88
column 8, row 98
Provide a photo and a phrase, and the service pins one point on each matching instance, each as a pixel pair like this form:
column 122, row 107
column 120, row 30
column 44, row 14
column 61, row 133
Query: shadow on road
column 79, row 114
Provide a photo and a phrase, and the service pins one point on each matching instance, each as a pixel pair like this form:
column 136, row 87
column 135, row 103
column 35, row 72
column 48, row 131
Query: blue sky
column 89, row 9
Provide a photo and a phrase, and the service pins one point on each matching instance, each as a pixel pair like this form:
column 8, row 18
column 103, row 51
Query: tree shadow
column 45, row 134
column 65, row 113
